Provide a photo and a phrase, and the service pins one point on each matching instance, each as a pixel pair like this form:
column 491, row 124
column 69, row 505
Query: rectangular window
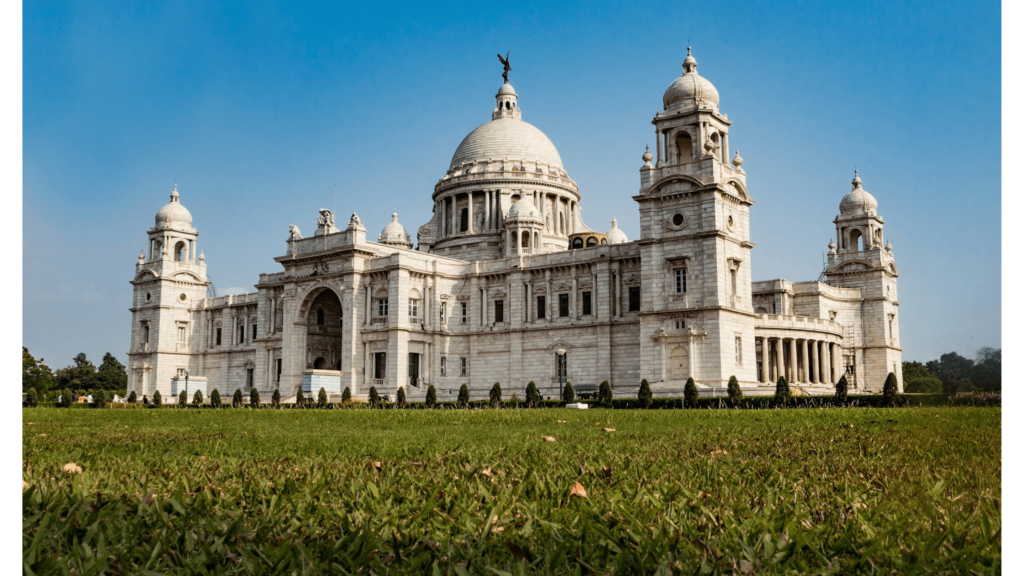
column 462, row 366
column 563, row 305
column 444, row 310
column 181, row 372
column 218, row 336
column 181, row 334
column 145, row 333
column 739, row 351
column 278, row 370
column 541, row 307
column 634, row 298
column 680, row 280
column 464, row 315
column 252, row 333
column 248, row 377
column 382, row 308
column 586, row 303
column 414, row 308
column 241, row 334
column 444, row 365
column 733, row 275
column 380, row 362
column 499, row 310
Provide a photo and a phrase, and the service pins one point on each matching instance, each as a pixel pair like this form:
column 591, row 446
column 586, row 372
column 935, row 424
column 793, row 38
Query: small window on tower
column 181, row 334
column 464, row 315
column 739, row 351
column 499, row 310
column 680, row 280
column 218, row 336
column 563, row 305
column 541, row 304
column 586, row 304
column 444, row 308
column 444, row 365
column 278, row 370
column 462, row 366
column 634, row 298
column 241, row 334
column 145, row 333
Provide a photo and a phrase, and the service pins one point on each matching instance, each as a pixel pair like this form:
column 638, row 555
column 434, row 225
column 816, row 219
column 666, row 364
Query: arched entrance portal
column 324, row 332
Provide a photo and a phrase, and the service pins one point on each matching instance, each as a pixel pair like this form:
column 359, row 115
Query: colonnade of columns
column 801, row 361
column 449, row 214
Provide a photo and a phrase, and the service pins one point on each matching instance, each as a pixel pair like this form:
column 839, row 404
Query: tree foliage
column 83, row 375
column 35, row 375
column 568, row 394
column 67, row 397
column 431, row 396
column 215, row 399
column 158, row 400
column 133, row 398
column 735, row 392
column 321, row 398
column 400, row 397
column 644, row 395
column 890, row 390
column 782, row 393
column 532, row 395
column 604, row 394
column 346, row 394
column 31, row 398
column 463, row 396
column 182, row 398
column 495, row 395
column 841, row 388
column 254, row 398
column 374, row 397
column 197, row 398
column 690, row 394
column 275, row 398
column 236, row 399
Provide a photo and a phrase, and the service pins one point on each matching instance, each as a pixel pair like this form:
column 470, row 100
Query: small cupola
column 507, row 105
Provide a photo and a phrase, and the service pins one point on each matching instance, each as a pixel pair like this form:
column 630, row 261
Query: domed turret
column 690, row 89
column 858, row 200
column 174, row 215
column 394, row 234
column 522, row 210
column 616, row 236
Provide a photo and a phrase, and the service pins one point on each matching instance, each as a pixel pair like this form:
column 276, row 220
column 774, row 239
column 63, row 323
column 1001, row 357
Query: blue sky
column 259, row 111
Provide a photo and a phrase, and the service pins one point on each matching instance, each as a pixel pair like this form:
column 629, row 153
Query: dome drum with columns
column 506, row 283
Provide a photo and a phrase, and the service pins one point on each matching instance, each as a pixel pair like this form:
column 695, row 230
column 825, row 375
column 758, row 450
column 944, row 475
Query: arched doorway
column 324, row 321
column 679, row 361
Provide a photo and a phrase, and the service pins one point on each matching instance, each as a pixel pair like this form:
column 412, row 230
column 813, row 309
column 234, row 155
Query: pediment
column 631, row 281
column 498, row 295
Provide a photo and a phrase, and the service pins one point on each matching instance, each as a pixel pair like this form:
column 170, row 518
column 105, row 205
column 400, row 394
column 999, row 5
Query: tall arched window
column 320, row 317
column 464, row 220
column 180, row 252
column 684, row 147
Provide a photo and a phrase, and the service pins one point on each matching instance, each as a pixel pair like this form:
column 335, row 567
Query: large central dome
column 507, row 136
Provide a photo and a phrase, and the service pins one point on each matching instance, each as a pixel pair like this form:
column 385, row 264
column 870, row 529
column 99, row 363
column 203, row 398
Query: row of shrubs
column 644, row 400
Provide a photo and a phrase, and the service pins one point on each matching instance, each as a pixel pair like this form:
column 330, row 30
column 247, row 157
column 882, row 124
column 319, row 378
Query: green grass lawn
column 669, row 491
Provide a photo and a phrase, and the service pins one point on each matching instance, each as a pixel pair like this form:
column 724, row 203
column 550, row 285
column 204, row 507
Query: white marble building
column 505, row 275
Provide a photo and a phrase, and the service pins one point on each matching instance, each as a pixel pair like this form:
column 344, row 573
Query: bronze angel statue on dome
column 507, row 66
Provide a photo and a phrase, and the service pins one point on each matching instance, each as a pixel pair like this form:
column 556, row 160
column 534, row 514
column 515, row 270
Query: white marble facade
column 505, row 274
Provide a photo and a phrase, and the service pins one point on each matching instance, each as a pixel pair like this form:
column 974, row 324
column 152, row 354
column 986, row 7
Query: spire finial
column 394, row 216
column 856, row 180
column 615, row 223
column 690, row 64
column 174, row 194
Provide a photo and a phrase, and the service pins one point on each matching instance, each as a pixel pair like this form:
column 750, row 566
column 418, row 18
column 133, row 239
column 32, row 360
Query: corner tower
column 169, row 284
column 695, row 237
column 861, row 261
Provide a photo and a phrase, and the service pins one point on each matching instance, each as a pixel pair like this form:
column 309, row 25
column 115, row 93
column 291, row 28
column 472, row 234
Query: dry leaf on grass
column 42, row 435
column 578, row 490
column 608, row 429
column 561, row 421
column 30, row 423
column 24, row 485
column 607, row 471
column 72, row 468
column 548, row 438
column 488, row 472
column 717, row 452
column 376, row 465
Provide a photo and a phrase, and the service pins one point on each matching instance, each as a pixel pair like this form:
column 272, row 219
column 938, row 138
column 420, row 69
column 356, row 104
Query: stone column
column 815, row 372
column 764, row 361
column 548, row 296
column 792, row 360
column 826, row 363
column 618, row 292
column 807, row 374
column 487, row 210
column 660, row 155
column 837, row 361
column 780, row 368
column 469, row 205
column 572, row 303
column 529, row 303
column 594, row 301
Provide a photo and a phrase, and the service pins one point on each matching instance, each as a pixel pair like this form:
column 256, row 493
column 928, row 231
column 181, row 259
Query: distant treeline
column 953, row 373
column 82, row 377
